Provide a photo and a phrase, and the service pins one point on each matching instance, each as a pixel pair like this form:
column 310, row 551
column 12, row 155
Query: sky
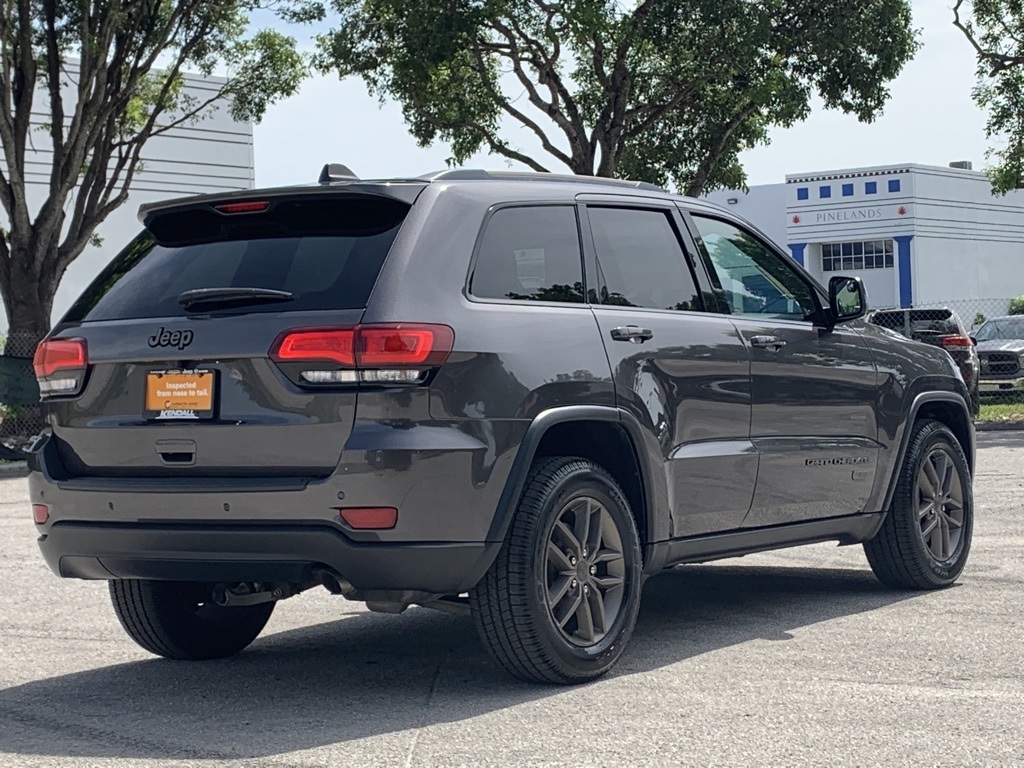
column 930, row 120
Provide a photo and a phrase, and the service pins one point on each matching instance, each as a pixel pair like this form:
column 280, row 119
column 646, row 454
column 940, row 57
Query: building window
column 824, row 192
column 844, row 257
column 894, row 185
column 802, row 193
column 847, row 190
column 871, row 188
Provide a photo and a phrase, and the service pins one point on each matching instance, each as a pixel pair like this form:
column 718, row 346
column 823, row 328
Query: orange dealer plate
column 179, row 394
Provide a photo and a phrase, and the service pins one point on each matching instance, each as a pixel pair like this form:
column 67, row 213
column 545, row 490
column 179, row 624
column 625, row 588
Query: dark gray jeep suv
column 513, row 395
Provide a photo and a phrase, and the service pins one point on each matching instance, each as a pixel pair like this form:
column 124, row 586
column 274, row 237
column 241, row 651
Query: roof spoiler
column 336, row 172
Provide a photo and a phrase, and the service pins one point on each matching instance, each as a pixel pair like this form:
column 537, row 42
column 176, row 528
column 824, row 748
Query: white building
column 212, row 155
column 915, row 234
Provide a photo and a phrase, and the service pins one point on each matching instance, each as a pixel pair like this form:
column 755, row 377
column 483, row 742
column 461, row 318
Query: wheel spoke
column 952, row 522
column 929, row 526
column 585, row 620
column 581, row 530
column 596, row 532
column 606, row 556
column 568, row 537
column 933, row 478
column 604, row 583
column 946, row 474
column 926, row 506
column 559, row 559
column 562, row 618
column 954, row 504
column 559, row 589
column 597, row 610
column 943, row 534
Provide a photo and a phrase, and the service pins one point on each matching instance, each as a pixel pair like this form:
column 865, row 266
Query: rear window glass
column 530, row 254
column 919, row 324
column 326, row 253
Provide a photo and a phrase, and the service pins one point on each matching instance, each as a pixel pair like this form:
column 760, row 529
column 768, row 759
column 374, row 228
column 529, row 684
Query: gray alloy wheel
column 559, row 603
column 586, row 571
column 926, row 536
column 940, row 497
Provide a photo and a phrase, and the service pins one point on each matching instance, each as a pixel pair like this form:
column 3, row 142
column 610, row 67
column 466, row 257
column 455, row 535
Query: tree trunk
column 28, row 299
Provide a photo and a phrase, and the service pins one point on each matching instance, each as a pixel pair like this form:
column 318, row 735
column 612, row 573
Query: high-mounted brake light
column 397, row 353
column 249, row 206
column 55, row 355
column 957, row 341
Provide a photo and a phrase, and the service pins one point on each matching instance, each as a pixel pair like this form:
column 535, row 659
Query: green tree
column 667, row 91
column 995, row 28
column 107, row 76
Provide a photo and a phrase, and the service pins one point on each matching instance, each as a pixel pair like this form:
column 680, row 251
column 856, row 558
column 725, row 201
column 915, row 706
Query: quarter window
column 530, row 254
column 753, row 278
column 639, row 260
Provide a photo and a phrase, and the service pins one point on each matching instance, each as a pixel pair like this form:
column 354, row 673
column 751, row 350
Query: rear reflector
column 249, row 206
column 40, row 513
column 367, row 518
column 53, row 355
column 957, row 341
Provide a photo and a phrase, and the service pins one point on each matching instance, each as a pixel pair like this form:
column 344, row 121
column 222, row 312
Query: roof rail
column 476, row 174
column 336, row 172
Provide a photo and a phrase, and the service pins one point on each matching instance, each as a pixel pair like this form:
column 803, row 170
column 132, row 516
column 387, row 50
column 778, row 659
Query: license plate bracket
column 180, row 394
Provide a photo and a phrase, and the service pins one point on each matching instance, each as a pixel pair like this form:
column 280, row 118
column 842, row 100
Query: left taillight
column 957, row 342
column 397, row 353
column 60, row 366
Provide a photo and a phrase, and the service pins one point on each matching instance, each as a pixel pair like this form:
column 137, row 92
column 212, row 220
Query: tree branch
column 707, row 166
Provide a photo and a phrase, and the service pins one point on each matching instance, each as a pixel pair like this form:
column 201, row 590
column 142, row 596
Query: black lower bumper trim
column 288, row 553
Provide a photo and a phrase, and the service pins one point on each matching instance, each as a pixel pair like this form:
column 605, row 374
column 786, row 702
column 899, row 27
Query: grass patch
column 1002, row 412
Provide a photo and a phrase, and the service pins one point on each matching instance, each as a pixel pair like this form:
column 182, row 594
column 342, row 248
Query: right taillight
column 395, row 353
column 60, row 366
column 957, row 342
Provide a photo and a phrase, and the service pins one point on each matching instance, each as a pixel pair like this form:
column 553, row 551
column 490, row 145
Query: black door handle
column 771, row 343
column 632, row 333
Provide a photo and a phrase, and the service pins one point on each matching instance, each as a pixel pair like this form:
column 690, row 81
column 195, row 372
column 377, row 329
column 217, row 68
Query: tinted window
column 928, row 325
column 530, row 254
column 1004, row 328
column 753, row 278
column 327, row 254
column 640, row 261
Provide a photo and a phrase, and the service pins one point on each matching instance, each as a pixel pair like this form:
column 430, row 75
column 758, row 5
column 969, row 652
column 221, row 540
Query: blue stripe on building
column 903, row 262
column 798, row 252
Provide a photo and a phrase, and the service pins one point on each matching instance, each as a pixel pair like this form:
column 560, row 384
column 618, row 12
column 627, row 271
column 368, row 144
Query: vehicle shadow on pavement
column 371, row 674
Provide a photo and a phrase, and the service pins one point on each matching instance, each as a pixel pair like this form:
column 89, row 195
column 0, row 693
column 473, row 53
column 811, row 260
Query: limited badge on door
column 179, row 394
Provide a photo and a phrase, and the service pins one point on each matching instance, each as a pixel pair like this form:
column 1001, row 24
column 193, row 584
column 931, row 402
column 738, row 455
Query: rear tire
column 559, row 603
column 179, row 620
column 926, row 536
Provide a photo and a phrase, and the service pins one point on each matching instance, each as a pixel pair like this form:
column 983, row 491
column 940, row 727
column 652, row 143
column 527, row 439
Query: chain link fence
column 1000, row 349
column 20, row 417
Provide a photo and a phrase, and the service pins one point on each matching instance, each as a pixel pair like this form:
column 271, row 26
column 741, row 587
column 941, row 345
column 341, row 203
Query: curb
column 998, row 426
column 13, row 469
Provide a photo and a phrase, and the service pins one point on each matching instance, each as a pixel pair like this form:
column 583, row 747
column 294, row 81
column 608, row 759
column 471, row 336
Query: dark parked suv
column 514, row 395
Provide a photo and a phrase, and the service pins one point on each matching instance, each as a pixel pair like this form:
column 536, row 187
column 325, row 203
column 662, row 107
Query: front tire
column 179, row 620
column 560, row 601
column 926, row 536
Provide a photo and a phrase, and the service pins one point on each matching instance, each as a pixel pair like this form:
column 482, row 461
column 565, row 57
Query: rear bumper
column 281, row 553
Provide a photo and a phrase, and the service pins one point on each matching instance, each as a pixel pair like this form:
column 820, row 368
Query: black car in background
column 940, row 327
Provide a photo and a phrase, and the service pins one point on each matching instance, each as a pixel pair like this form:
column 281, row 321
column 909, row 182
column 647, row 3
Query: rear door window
column 326, row 253
column 640, row 261
column 530, row 253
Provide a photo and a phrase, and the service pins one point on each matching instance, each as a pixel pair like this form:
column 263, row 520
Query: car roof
column 337, row 178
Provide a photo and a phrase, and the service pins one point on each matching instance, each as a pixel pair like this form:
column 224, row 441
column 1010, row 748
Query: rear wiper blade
column 233, row 296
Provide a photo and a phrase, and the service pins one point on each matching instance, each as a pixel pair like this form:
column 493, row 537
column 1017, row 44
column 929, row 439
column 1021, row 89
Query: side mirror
column 974, row 340
column 847, row 299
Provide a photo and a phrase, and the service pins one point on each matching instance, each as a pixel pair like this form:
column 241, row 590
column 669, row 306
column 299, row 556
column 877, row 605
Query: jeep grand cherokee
column 509, row 394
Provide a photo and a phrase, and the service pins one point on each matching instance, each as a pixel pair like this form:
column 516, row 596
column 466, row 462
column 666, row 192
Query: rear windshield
column 920, row 324
column 326, row 253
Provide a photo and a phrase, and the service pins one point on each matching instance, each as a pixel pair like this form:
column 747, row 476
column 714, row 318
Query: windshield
column 1004, row 328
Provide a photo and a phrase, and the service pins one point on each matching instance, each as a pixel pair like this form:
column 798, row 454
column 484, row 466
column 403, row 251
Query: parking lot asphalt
column 796, row 657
